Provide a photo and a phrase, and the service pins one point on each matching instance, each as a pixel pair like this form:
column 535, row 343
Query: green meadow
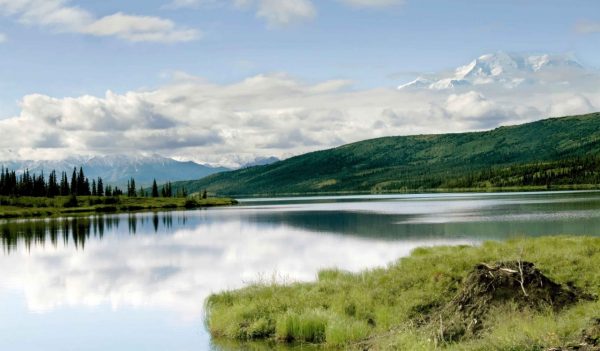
column 17, row 207
column 412, row 304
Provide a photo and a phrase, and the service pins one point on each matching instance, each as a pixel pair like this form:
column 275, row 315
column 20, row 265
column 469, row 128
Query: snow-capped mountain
column 506, row 70
column 117, row 169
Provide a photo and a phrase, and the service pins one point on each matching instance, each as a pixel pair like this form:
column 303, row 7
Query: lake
column 138, row 281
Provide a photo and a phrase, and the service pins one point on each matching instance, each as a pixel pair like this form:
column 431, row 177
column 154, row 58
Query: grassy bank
column 21, row 207
column 409, row 304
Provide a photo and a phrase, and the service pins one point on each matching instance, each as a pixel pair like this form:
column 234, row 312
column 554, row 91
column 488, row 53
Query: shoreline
column 540, row 189
column 401, row 306
column 36, row 207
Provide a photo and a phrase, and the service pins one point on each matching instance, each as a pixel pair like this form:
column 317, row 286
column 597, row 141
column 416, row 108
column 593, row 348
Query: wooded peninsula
column 33, row 195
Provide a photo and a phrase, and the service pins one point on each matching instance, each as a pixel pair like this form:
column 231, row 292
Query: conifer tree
column 81, row 182
column 74, row 182
column 117, row 192
column 53, row 187
column 154, row 189
column 100, row 187
column 133, row 190
column 38, row 185
column 86, row 187
column 64, row 184
column 2, row 182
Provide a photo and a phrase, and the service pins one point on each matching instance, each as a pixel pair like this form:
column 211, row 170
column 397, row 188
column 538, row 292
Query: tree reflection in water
column 75, row 231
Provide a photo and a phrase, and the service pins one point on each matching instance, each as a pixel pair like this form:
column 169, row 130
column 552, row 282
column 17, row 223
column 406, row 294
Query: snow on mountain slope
column 117, row 169
column 505, row 70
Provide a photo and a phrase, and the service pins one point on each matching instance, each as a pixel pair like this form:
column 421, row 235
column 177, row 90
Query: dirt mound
column 590, row 340
column 487, row 286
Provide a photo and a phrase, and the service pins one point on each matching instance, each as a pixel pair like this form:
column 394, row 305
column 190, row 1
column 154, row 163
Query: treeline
column 27, row 184
column 165, row 191
column 34, row 185
column 572, row 171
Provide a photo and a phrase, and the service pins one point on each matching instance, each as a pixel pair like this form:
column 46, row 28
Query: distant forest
column 579, row 170
column 27, row 184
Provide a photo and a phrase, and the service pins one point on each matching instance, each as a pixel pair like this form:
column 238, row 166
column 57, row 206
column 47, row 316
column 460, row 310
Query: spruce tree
column 86, row 187
column 154, row 189
column 2, row 182
column 81, row 182
column 74, row 182
column 100, row 186
column 53, row 188
column 64, row 184
column 133, row 190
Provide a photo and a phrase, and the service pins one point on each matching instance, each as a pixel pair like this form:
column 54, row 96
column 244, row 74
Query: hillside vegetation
column 548, row 153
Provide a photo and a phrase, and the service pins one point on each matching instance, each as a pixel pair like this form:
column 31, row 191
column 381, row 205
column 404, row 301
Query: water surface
column 138, row 281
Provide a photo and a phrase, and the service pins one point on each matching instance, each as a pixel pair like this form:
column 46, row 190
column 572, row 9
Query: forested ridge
column 543, row 154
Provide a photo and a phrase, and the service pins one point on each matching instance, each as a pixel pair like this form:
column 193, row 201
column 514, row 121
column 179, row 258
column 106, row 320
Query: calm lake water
column 138, row 281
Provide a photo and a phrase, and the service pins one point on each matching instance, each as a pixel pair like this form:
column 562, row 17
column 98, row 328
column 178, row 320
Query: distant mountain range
column 118, row 169
column 548, row 152
column 499, row 69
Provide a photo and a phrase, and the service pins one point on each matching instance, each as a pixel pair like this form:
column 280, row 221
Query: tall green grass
column 388, row 308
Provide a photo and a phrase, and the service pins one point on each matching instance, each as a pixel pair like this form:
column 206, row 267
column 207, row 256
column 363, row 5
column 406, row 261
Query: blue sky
column 224, row 43
column 373, row 46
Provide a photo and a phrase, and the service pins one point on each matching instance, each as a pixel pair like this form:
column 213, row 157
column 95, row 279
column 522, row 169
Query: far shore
column 516, row 189
column 39, row 207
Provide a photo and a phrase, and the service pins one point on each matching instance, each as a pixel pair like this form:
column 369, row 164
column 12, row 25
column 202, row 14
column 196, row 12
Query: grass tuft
column 399, row 307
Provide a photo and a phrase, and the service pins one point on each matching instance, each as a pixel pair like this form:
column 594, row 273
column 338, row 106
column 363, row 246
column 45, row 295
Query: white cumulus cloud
column 269, row 115
column 570, row 104
column 474, row 108
column 278, row 115
column 62, row 17
column 280, row 13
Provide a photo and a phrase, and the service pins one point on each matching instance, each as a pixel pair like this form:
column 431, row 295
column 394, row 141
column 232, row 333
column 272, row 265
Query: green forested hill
column 549, row 152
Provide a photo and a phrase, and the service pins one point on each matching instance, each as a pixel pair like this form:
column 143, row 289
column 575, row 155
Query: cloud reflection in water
column 172, row 261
